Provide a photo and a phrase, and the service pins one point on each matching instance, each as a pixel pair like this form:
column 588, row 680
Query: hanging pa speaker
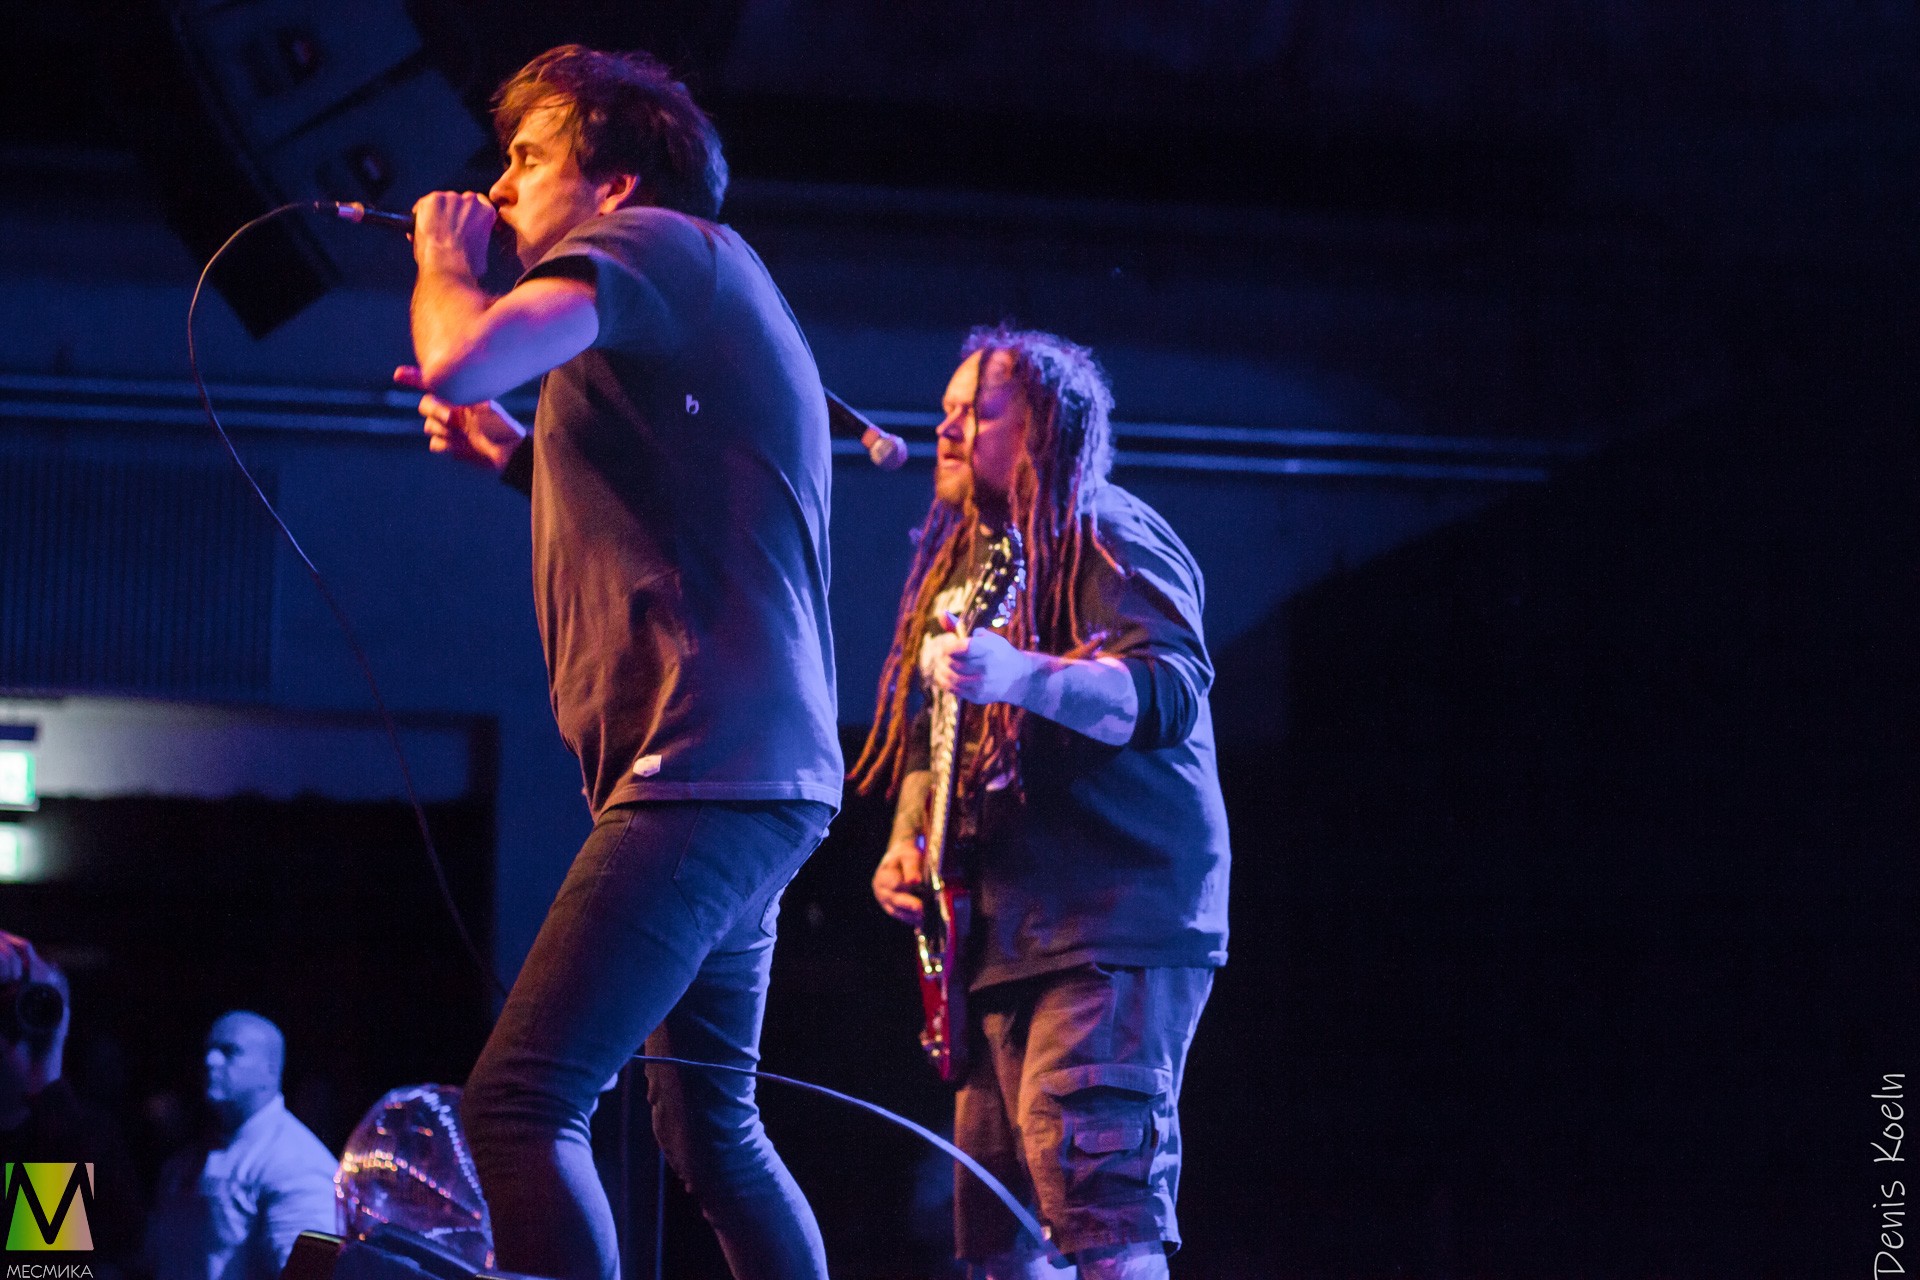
column 310, row 100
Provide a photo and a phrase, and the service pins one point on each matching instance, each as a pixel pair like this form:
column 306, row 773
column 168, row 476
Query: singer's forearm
column 448, row 308
column 472, row 348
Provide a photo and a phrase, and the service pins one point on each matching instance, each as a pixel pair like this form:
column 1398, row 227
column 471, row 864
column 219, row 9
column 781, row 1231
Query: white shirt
column 232, row 1213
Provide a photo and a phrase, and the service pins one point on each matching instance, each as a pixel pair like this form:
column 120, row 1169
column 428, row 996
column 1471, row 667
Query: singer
column 678, row 468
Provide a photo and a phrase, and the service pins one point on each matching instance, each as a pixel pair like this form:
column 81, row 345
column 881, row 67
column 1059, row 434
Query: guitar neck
column 989, row 603
column 941, row 793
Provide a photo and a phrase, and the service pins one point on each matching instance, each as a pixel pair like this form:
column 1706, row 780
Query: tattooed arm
column 901, row 870
column 1094, row 696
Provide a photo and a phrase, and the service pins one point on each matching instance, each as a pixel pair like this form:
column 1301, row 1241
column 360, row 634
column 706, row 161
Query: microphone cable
column 326, row 593
column 993, row 1184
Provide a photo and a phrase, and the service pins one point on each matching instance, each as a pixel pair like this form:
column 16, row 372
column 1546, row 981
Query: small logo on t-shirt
column 646, row 766
column 693, row 406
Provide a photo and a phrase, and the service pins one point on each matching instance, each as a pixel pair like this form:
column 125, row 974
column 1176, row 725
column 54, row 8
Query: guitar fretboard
column 945, row 753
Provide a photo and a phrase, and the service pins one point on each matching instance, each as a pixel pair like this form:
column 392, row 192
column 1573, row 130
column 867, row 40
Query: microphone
column 368, row 216
column 887, row 450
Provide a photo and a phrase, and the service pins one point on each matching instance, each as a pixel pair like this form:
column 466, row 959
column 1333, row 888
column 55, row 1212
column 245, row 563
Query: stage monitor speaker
column 317, row 100
column 391, row 1253
column 313, row 1256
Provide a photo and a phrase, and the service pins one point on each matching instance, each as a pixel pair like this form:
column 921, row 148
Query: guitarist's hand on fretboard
column 981, row 668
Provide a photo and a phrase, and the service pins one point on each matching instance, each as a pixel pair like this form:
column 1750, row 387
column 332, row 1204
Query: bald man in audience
column 228, row 1208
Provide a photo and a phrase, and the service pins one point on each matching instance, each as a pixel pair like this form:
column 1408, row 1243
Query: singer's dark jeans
column 663, row 932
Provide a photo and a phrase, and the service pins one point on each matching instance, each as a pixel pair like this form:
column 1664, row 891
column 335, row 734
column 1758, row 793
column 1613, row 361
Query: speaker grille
column 132, row 576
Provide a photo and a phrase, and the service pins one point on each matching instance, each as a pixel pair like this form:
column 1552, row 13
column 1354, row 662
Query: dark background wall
column 1555, row 493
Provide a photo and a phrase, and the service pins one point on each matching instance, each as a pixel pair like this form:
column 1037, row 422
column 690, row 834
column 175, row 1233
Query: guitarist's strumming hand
column 897, row 881
column 901, row 877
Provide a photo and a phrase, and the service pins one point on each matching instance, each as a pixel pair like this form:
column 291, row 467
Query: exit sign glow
column 16, row 780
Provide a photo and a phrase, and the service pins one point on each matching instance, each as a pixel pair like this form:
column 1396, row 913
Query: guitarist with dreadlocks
column 1086, row 794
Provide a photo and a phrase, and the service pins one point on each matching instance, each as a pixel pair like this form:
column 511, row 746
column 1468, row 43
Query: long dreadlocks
column 1067, row 451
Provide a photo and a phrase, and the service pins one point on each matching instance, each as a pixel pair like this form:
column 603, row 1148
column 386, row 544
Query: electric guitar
column 942, row 934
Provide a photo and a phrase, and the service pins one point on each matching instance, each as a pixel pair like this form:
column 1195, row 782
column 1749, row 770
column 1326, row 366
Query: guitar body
column 943, row 983
column 941, row 938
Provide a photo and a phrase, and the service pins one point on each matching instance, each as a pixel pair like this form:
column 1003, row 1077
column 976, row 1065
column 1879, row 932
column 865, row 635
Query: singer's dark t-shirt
column 680, row 475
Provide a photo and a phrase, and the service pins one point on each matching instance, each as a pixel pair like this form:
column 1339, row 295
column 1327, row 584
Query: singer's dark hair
column 625, row 113
column 1067, row 451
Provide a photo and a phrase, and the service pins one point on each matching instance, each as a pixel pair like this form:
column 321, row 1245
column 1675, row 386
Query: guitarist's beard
column 989, row 508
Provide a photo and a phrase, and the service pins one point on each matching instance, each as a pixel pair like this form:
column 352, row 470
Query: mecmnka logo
column 48, row 1208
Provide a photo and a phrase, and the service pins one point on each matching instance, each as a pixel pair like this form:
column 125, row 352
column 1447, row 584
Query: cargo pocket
column 1109, row 1129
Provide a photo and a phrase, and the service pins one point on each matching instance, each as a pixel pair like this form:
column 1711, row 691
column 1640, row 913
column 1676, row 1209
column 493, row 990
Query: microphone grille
column 889, row 452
